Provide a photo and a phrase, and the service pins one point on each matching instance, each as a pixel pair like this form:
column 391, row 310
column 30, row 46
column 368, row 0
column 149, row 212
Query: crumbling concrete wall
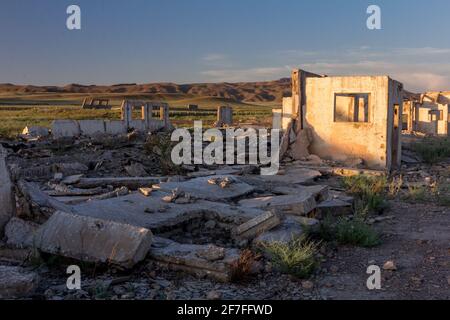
column 340, row 140
column 288, row 113
column 7, row 204
column 224, row 116
column 277, row 118
column 431, row 118
column 73, row 128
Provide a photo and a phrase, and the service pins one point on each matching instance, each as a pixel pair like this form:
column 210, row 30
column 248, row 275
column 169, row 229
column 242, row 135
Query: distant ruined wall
column 73, row 128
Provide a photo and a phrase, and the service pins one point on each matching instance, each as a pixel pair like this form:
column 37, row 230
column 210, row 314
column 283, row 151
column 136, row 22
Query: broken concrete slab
column 288, row 230
column 132, row 183
column 7, row 203
column 38, row 198
column 299, row 204
column 319, row 192
column 288, row 176
column 93, row 239
column 334, row 194
column 200, row 188
column 61, row 190
column 333, row 207
column 17, row 256
column 257, row 225
column 134, row 209
column 70, row 168
column 72, row 179
column 136, row 170
column 16, row 282
column 188, row 258
column 20, row 233
column 35, row 132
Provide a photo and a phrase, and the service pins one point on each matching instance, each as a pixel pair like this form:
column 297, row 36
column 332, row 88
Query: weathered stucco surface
column 342, row 140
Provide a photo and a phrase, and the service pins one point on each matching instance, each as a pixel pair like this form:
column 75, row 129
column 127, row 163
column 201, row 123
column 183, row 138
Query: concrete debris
column 221, row 182
column 185, row 257
column 132, row 183
column 299, row 149
column 61, row 190
column 179, row 197
column 134, row 209
column 211, row 253
column 300, row 204
column 257, row 225
column 72, row 179
column 293, row 176
column 136, row 170
column 34, row 132
column 289, row 229
column 146, row 191
column 334, row 208
column 202, row 189
column 39, row 199
column 319, row 192
column 94, row 240
column 16, row 282
column 20, row 233
column 390, row 266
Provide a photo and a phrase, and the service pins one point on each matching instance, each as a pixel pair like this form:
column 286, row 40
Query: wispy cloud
column 214, row 57
column 251, row 74
column 419, row 68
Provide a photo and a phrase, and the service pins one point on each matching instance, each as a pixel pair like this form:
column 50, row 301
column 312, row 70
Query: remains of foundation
column 74, row 128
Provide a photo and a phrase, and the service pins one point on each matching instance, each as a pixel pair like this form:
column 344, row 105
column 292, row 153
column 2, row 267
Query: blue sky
column 222, row 40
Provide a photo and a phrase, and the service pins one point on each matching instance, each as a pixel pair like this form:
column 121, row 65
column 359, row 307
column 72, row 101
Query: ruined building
column 427, row 113
column 349, row 117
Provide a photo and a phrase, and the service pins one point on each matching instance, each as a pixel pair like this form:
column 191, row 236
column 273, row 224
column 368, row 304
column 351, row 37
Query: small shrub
column 433, row 149
column 355, row 232
column 369, row 189
column 241, row 268
column 348, row 232
column 416, row 193
column 296, row 257
column 161, row 145
column 395, row 186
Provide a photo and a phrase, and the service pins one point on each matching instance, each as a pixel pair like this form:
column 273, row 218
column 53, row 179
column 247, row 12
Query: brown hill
column 268, row 91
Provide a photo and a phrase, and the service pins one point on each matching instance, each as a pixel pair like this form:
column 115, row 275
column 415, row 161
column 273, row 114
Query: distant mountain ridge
column 264, row 91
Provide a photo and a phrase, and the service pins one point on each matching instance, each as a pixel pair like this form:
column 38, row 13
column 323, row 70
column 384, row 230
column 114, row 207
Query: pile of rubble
column 94, row 201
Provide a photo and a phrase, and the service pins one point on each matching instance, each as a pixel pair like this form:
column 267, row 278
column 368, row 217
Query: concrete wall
column 343, row 140
column 288, row 113
column 276, row 118
column 425, row 123
column 73, row 128
column 394, row 124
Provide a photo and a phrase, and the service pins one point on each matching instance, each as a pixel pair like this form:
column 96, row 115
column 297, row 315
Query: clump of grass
column 356, row 232
column 433, row 149
column 416, row 193
column 368, row 189
column 348, row 232
column 395, row 186
column 161, row 145
column 438, row 192
column 442, row 193
column 296, row 257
